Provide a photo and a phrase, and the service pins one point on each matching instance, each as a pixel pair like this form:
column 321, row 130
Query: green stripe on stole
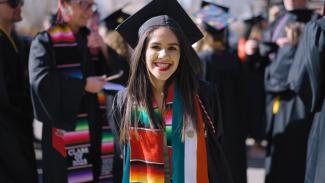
column 177, row 144
column 126, row 171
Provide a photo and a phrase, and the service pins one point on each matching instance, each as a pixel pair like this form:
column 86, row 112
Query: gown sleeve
column 56, row 98
column 305, row 73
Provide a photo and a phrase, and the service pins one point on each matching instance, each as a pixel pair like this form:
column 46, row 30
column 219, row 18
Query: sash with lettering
column 74, row 146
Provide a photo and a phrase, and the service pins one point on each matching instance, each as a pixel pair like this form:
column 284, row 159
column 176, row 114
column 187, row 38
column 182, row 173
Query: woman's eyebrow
column 170, row 44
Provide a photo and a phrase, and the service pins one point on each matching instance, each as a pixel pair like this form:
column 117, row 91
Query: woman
column 64, row 93
column 163, row 117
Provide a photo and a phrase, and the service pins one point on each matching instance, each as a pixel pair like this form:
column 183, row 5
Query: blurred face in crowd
column 162, row 54
column 294, row 4
column 10, row 11
column 78, row 11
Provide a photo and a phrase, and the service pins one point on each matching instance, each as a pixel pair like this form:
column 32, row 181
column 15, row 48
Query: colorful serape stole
column 107, row 146
column 145, row 161
column 74, row 145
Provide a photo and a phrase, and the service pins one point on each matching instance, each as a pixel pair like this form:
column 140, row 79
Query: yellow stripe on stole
column 276, row 105
column 10, row 39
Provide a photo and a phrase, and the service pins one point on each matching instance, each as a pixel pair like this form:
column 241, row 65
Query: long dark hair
column 139, row 90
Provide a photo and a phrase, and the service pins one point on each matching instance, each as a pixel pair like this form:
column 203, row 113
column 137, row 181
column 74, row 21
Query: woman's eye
column 172, row 48
column 155, row 47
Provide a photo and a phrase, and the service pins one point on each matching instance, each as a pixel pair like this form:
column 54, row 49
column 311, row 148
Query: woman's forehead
column 163, row 34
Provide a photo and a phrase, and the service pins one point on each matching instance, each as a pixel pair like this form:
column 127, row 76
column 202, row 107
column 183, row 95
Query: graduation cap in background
column 115, row 19
column 206, row 3
column 251, row 21
column 213, row 18
column 129, row 29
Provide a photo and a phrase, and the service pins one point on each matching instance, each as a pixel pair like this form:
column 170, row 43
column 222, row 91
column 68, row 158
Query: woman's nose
column 163, row 53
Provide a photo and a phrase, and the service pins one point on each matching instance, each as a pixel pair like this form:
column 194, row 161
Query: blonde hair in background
column 294, row 31
column 115, row 40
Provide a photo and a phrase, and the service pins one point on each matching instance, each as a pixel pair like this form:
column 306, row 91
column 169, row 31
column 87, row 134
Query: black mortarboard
column 206, row 3
column 149, row 16
column 115, row 19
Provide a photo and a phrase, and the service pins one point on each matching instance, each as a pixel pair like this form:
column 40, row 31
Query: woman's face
column 80, row 11
column 162, row 54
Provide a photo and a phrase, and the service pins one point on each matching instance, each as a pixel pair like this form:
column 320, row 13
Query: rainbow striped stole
column 62, row 36
column 145, row 161
column 74, row 145
column 107, row 142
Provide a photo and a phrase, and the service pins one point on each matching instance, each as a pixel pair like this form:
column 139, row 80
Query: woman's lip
column 162, row 66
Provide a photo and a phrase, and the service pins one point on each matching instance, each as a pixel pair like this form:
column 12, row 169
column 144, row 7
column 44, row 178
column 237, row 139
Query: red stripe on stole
column 63, row 37
column 101, row 98
column 79, row 137
column 168, row 116
column 148, row 146
column 170, row 95
column 170, row 152
column 107, row 148
column 58, row 141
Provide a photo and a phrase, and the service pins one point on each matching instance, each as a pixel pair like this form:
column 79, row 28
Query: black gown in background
column 223, row 70
column 287, row 125
column 59, row 98
column 17, row 158
column 306, row 77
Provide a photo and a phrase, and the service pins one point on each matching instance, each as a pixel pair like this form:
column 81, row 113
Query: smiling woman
column 167, row 120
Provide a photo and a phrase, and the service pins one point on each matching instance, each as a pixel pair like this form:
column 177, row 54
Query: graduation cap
column 156, row 13
column 206, row 3
column 115, row 19
column 213, row 18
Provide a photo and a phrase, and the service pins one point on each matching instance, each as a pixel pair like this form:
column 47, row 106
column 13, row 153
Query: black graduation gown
column 224, row 70
column 56, row 101
column 287, row 130
column 17, row 158
column 112, row 66
column 254, row 96
column 218, row 170
column 307, row 79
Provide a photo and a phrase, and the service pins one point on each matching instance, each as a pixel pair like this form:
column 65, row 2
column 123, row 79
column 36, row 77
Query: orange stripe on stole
column 202, row 163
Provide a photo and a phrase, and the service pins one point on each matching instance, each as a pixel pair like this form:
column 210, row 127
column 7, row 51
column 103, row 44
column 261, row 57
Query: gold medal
column 190, row 134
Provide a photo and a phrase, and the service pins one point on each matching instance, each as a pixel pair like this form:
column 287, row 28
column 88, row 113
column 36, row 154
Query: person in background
column 306, row 78
column 64, row 88
column 17, row 157
column 116, row 42
column 168, row 121
column 223, row 70
column 287, row 124
column 253, row 76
